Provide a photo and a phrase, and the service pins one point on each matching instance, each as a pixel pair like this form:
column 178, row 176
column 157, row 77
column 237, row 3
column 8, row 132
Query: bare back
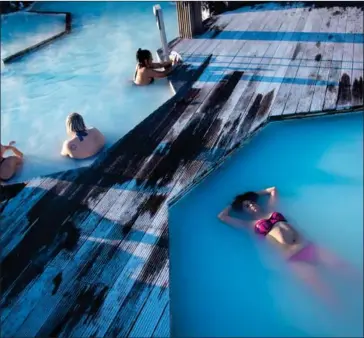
column 143, row 76
column 86, row 146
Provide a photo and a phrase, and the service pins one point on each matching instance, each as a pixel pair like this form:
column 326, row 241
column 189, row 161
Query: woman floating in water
column 11, row 164
column 84, row 142
column 145, row 72
column 303, row 255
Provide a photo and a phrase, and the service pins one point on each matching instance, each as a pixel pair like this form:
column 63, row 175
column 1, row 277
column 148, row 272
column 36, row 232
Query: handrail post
column 189, row 15
column 157, row 10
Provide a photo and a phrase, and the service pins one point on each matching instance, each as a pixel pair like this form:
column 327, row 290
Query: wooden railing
column 189, row 15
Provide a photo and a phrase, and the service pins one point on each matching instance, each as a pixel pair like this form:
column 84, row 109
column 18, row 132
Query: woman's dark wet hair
column 237, row 204
column 142, row 55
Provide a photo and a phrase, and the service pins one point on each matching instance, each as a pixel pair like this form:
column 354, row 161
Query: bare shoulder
column 99, row 136
column 94, row 131
column 70, row 145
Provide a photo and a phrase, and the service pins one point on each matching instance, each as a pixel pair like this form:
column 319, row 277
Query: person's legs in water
column 330, row 260
column 309, row 274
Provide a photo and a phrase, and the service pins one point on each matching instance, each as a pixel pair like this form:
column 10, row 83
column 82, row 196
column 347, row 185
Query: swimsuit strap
column 263, row 226
column 277, row 217
column 81, row 135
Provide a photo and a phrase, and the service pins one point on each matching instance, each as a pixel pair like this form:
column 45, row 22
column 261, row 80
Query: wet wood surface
column 85, row 252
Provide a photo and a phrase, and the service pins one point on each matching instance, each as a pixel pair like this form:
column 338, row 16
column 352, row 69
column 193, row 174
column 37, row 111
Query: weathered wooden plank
column 205, row 47
column 204, row 90
column 296, row 55
column 261, row 99
column 285, row 49
column 206, row 40
column 310, row 50
column 25, row 225
column 237, row 119
column 185, row 48
column 250, row 99
column 153, row 308
column 138, row 294
column 344, row 99
column 144, row 265
column 19, row 203
column 225, row 56
column 58, row 308
column 18, row 224
column 296, row 21
column 163, row 328
column 320, row 52
column 20, row 199
column 34, row 190
column 358, row 64
column 335, row 72
column 138, row 299
column 192, row 169
column 41, row 246
column 218, row 47
column 325, row 64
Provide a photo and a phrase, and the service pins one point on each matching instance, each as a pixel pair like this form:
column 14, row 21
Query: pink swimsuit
column 264, row 226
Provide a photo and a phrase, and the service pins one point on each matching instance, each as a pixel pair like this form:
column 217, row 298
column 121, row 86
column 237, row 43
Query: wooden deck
column 85, row 252
column 58, row 24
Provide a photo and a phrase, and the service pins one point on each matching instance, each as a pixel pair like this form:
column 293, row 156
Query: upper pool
column 89, row 71
column 226, row 282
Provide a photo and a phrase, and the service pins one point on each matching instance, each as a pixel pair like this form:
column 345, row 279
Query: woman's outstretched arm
column 269, row 191
column 225, row 217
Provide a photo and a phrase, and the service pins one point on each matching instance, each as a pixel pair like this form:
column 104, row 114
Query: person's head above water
column 246, row 202
column 144, row 57
column 75, row 123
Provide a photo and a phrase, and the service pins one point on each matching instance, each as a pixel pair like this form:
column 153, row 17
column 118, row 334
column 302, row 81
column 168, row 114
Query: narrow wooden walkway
column 85, row 252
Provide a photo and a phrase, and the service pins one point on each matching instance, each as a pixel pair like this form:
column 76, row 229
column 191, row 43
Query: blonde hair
column 75, row 123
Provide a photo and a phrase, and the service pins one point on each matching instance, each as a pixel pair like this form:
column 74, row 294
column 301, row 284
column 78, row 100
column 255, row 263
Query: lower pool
column 89, row 71
column 225, row 282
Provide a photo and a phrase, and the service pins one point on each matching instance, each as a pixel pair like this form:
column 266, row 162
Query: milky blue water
column 227, row 282
column 89, row 71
